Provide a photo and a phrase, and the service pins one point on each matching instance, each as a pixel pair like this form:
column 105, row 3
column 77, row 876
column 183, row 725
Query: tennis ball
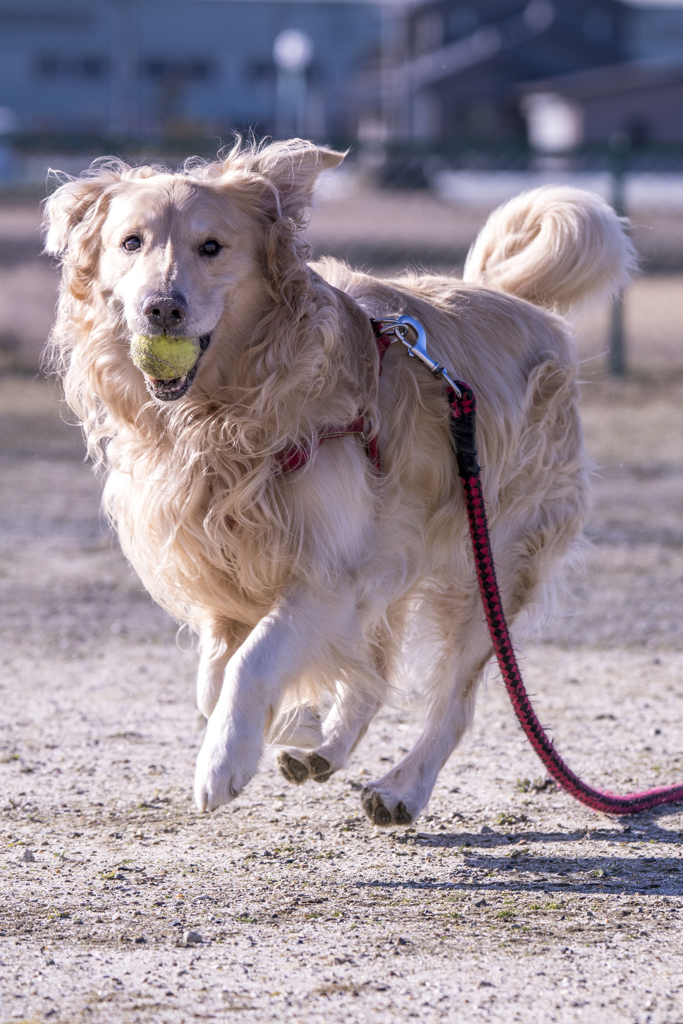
column 162, row 357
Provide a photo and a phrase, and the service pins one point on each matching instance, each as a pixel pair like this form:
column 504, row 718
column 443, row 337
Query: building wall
column 650, row 115
column 655, row 32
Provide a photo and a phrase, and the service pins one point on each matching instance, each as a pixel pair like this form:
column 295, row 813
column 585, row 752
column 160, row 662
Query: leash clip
column 401, row 327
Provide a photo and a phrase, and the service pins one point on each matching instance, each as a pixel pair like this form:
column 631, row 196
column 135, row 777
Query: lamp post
column 8, row 125
column 619, row 146
column 292, row 53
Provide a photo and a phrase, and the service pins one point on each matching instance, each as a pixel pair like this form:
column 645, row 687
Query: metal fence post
column 619, row 146
column 617, row 361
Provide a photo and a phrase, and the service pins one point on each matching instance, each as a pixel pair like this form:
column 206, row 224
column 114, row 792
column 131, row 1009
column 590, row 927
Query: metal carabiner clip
column 402, row 328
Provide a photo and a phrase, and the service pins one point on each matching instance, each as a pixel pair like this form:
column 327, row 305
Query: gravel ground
column 506, row 902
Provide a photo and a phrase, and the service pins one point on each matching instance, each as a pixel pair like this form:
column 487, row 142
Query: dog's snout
column 165, row 310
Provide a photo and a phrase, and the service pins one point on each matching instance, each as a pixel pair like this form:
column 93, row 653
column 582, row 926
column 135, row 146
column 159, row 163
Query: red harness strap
column 297, row 455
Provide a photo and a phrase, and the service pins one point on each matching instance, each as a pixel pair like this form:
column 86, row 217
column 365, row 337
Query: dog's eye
column 210, row 247
column 132, row 243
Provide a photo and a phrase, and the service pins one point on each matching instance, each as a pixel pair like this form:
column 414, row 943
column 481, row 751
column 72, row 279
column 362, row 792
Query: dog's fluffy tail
column 554, row 246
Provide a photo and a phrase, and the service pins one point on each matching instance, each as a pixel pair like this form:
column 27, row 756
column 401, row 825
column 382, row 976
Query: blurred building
column 654, row 32
column 637, row 101
column 462, row 62
column 421, row 70
column 180, row 67
column 589, row 68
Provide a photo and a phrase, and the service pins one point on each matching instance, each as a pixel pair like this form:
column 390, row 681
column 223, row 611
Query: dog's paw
column 215, row 784
column 222, row 773
column 384, row 809
column 297, row 766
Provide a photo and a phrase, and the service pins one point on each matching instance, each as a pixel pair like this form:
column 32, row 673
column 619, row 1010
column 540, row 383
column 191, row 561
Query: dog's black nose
column 165, row 310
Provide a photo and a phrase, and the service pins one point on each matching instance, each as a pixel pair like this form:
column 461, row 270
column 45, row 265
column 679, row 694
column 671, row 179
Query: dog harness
column 386, row 331
column 462, row 423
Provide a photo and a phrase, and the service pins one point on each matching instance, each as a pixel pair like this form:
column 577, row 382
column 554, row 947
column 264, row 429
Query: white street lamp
column 292, row 53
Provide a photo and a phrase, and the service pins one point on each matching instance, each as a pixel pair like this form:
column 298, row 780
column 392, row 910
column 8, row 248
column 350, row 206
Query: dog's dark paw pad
column 293, row 770
column 382, row 816
column 321, row 768
column 374, row 807
column 401, row 814
column 379, row 809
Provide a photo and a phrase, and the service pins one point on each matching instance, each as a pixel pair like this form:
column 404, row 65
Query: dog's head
column 178, row 261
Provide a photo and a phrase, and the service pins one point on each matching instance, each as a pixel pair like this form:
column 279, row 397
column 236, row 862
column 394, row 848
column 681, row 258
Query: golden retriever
column 322, row 592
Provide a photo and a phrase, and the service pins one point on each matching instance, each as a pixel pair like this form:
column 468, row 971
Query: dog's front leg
column 274, row 654
column 214, row 655
column 216, row 646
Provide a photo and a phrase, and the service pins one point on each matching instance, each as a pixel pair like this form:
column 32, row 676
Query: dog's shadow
column 587, row 872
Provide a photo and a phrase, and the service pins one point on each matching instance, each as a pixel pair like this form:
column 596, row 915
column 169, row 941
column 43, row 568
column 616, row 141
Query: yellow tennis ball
column 163, row 357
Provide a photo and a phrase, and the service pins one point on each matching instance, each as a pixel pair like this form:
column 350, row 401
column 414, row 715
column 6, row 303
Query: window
column 61, row 66
column 193, row 70
column 428, row 32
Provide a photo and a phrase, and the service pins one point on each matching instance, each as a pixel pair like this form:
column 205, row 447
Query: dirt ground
column 506, row 902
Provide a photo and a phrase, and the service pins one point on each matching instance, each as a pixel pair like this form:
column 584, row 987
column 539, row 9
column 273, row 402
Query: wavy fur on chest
column 202, row 512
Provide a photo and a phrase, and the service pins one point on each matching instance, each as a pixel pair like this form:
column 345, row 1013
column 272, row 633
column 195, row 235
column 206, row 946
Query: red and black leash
column 463, row 433
column 463, row 430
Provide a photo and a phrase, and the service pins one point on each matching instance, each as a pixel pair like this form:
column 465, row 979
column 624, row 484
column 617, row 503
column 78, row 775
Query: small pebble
column 486, row 831
column 192, row 938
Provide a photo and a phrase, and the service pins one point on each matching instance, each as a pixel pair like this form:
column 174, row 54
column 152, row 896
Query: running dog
column 199, row 347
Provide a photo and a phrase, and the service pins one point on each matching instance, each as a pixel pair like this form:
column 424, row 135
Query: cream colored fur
column 311, row 590
column 555, row 246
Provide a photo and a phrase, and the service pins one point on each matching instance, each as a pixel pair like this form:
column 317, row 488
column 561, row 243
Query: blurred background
column 447, row 108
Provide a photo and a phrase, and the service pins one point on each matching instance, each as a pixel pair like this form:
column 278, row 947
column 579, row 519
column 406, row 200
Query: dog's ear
column 66, row 209
column 291, row 170
column 78, row 199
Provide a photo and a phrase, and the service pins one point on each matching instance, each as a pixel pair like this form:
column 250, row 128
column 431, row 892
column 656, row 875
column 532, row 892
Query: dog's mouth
column 172, row 388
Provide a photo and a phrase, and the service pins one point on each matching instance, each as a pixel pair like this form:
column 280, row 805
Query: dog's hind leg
column 343, row 728
column 525, row 565
column 399, row 796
